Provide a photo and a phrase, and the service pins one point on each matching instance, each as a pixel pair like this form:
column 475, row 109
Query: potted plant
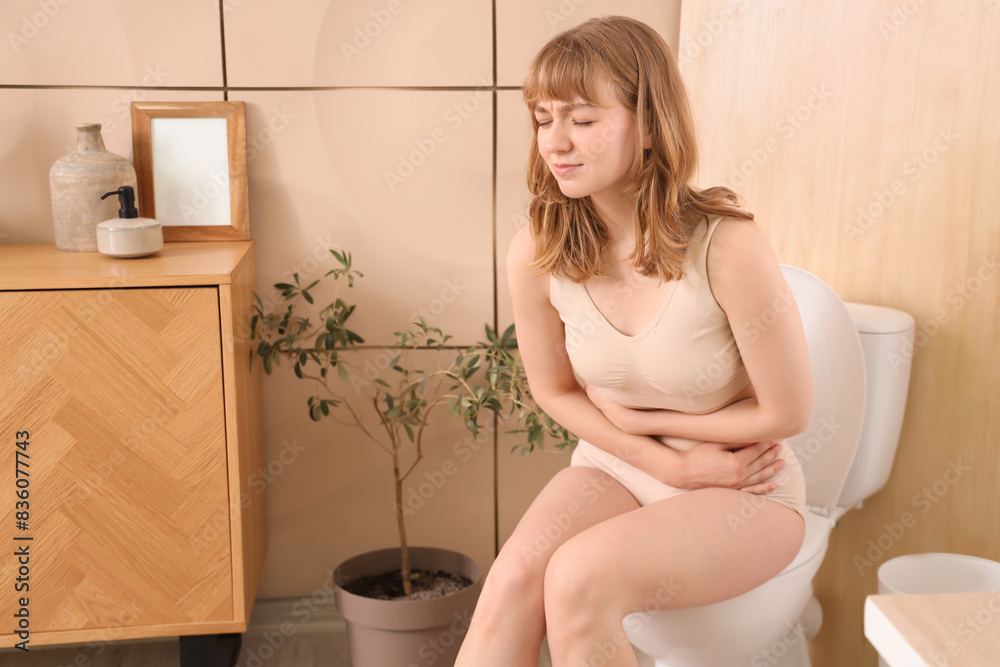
column 487, row 376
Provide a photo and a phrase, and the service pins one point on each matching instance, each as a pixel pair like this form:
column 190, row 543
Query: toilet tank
column 887, row 344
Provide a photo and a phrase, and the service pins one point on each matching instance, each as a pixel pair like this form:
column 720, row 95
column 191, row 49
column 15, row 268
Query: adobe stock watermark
column 302, row 610
column 128, row 616
column 87, row 486
column 711, row 29
column 370, row 369
column 434, row 480
column 32, row 24
column 751, row 503
column 957, row 298
column 214, row 186
column 923, row 501
column 899, row 16
column 603, row 652
column 968, row 630
column 913, row 168
column 363, row 35
column 776, row 650
column 276, row 123
column 256, row 484
column 424, row 147
column 566, row 8
column 555, row 531
column 726, row 362
column 305, row 266
column 432, row 650
column 121, row 107
column 785, row 128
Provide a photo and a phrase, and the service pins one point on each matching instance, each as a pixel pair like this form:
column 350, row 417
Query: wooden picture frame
column 188, row 157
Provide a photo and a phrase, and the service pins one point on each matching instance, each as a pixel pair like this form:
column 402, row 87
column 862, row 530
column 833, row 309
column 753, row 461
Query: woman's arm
column 747, row 283
column 541, row 342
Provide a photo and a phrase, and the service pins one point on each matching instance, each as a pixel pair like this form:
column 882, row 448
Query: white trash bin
column 937, row 573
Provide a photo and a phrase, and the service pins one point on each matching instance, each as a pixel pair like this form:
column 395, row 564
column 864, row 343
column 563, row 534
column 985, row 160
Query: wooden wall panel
column 865, row 138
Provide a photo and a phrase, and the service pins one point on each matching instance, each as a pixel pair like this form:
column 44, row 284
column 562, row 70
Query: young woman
column 668, row 302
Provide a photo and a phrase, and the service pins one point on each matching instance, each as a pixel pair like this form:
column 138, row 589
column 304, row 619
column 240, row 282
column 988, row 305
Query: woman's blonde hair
column 569, row 235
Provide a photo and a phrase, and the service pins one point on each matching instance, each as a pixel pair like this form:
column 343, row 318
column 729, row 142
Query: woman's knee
column 575, row 579
column 514, row 578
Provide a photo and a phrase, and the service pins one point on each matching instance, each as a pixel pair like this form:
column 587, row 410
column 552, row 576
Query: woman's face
column 588, row 148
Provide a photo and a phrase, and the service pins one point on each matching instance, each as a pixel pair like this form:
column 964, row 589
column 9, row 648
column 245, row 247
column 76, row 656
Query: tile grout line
column 496, row 294
column 222, row 46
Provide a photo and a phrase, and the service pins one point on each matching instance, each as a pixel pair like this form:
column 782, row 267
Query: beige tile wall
column 373, row 126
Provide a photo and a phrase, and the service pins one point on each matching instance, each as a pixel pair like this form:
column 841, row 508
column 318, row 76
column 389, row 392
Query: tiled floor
column 319, row 642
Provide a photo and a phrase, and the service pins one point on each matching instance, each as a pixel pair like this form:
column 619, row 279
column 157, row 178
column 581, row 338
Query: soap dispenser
column 128, row 235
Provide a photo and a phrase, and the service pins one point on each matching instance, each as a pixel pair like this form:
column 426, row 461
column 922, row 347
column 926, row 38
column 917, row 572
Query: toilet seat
column 813, row 544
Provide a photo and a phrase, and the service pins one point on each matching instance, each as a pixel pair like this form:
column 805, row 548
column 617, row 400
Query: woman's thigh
column 575, row 499
column 696, row 548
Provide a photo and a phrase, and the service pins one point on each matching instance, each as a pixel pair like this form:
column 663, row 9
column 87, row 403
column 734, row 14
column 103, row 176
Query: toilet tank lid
column 879, row 319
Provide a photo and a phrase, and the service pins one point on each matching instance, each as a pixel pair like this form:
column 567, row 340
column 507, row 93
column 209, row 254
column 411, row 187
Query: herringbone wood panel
column 122, row 393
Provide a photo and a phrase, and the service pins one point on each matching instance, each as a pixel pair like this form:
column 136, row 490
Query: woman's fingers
column 760, row 489
column 763, row 464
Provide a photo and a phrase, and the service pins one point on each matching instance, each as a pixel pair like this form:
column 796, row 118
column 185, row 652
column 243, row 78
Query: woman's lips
column 563, row 169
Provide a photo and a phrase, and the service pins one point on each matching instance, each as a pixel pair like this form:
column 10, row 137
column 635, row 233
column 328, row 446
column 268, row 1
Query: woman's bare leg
column 509, row 623
column 681, row 552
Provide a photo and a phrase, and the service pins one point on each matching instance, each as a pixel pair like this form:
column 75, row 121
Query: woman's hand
column 735, row 466
column 747, row 468
column 627, row 419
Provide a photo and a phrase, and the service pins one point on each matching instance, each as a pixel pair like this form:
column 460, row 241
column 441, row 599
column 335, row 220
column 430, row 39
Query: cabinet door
column 120, row 391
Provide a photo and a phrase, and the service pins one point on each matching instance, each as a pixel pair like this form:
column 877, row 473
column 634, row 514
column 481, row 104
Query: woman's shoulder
column 522, row 245
column 521, row 274
column 739, row 256
column 736, row 236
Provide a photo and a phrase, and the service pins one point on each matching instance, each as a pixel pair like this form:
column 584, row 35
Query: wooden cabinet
column 129, row 381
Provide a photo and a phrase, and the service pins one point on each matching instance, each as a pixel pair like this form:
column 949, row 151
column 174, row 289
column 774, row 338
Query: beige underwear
column 790, row 490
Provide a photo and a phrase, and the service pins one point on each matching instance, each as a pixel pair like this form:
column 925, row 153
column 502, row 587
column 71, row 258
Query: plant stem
column 400, row 520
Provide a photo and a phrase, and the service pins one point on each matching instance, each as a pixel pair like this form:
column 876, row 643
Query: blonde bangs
column 564, row 71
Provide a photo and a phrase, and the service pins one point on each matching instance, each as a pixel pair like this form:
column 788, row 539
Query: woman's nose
column 558, row 138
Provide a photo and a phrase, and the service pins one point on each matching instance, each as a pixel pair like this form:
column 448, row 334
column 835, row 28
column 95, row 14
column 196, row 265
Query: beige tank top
column 686, row 359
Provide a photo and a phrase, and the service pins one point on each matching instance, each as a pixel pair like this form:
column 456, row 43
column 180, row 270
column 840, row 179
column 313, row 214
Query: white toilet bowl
column 757, row 629
column 845, row 455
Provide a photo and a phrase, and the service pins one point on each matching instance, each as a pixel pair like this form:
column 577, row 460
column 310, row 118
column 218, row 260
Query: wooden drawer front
column 121, row 391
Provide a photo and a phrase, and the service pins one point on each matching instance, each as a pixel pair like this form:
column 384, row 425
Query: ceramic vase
column 77, row 182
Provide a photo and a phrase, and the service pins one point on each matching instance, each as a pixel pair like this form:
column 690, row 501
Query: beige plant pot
column 407, row 633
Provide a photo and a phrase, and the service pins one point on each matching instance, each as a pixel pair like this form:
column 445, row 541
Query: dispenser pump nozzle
column 126, row 197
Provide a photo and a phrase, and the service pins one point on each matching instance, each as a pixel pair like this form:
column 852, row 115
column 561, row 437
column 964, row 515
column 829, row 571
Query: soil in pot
column 388, row 586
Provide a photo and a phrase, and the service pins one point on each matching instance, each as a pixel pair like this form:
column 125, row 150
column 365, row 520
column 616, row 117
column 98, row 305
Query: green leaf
column 342, row 372
column 306, row 296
